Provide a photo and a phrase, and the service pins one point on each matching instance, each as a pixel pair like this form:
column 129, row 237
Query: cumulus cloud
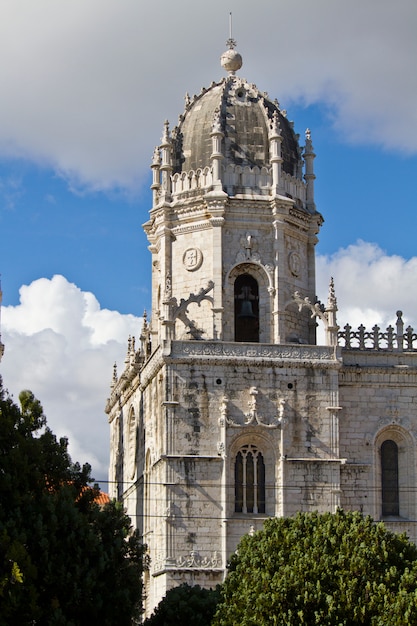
column 371, row 286
column 85, row 84
column 62, row 346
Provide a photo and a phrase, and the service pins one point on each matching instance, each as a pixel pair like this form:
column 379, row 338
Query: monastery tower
column 228, row 412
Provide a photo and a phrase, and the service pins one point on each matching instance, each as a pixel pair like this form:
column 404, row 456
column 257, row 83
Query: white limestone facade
column 226, row 411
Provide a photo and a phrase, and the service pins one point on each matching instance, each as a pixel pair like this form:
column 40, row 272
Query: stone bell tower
column 227, row 413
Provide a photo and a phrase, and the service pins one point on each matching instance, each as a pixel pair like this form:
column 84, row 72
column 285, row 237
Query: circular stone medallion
column 192, row 259
column 294, row 262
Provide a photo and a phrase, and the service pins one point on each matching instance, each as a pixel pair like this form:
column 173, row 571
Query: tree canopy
column 63, row 559
column 185, row 604
column 336, row 569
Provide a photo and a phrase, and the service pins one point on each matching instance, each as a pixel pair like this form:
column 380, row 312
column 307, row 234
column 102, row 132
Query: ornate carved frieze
column 193, row 560
column 262, row 351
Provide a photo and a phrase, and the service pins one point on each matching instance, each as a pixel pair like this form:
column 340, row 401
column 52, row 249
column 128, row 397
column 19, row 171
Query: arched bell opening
column 246, row 295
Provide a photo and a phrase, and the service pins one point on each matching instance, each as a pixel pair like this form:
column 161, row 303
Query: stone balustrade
column 391, row 340
column 238, row 179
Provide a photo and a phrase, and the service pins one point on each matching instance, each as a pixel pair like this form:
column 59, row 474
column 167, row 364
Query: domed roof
column 244, row 115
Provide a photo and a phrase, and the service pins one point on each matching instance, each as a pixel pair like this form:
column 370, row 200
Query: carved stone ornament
column 196, row 561
column 294, row 263
column 248, row 252
column 313, row 354
column 192, row 259
column 252, row 418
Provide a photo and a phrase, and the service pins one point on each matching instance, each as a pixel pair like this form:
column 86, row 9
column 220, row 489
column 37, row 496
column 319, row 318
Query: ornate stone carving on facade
column 294, row 263
column 280, row 415
column 253, row 417
column 192, row 259
column 168, row 286
column 179, row 311
column 326, row 314
column 196, row 561
column 249, row 249
column 115, row 378
column 224, row 419
column 223, row 411
column 249, row 252
column 232, row 350
column 145, row 337
column 182, row 307
column 317, row 309
column 393, row 420
column 217, row 126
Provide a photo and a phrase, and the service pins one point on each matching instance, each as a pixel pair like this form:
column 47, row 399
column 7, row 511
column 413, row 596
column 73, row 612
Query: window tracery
column 249, row 480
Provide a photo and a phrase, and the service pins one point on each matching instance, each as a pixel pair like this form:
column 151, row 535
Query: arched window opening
column 249, row 481
column 389, row 478
column 246, row 309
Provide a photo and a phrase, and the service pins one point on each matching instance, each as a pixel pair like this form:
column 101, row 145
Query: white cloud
column 371, row 286
column 62, row 346
column 85, row 84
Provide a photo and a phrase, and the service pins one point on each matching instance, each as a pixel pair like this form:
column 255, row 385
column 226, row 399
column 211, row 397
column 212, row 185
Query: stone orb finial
column 231, row 61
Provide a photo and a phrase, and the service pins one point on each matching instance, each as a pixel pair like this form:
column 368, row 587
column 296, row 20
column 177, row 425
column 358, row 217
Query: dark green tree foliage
column 333, row 569
column 63, row 559
column 185, row 605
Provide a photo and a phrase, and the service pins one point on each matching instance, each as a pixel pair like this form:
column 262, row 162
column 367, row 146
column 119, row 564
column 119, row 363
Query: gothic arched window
column 389, row 478
column 246, row 309
column 249, row 480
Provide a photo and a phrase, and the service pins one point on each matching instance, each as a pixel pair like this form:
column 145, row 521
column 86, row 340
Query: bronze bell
column 246, row 309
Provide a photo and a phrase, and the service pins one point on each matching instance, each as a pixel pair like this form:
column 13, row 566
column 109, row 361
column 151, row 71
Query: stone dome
column 244, row 115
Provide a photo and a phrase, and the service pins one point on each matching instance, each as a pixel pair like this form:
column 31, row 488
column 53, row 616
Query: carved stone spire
column 309, row 175
column 166, row 164
column 114, row 377
column 155, row 167
column 330, row 311
column 216, row 155
column 275, row 143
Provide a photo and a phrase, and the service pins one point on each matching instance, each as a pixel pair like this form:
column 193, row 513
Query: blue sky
column 95, row 238
column 86, row 86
